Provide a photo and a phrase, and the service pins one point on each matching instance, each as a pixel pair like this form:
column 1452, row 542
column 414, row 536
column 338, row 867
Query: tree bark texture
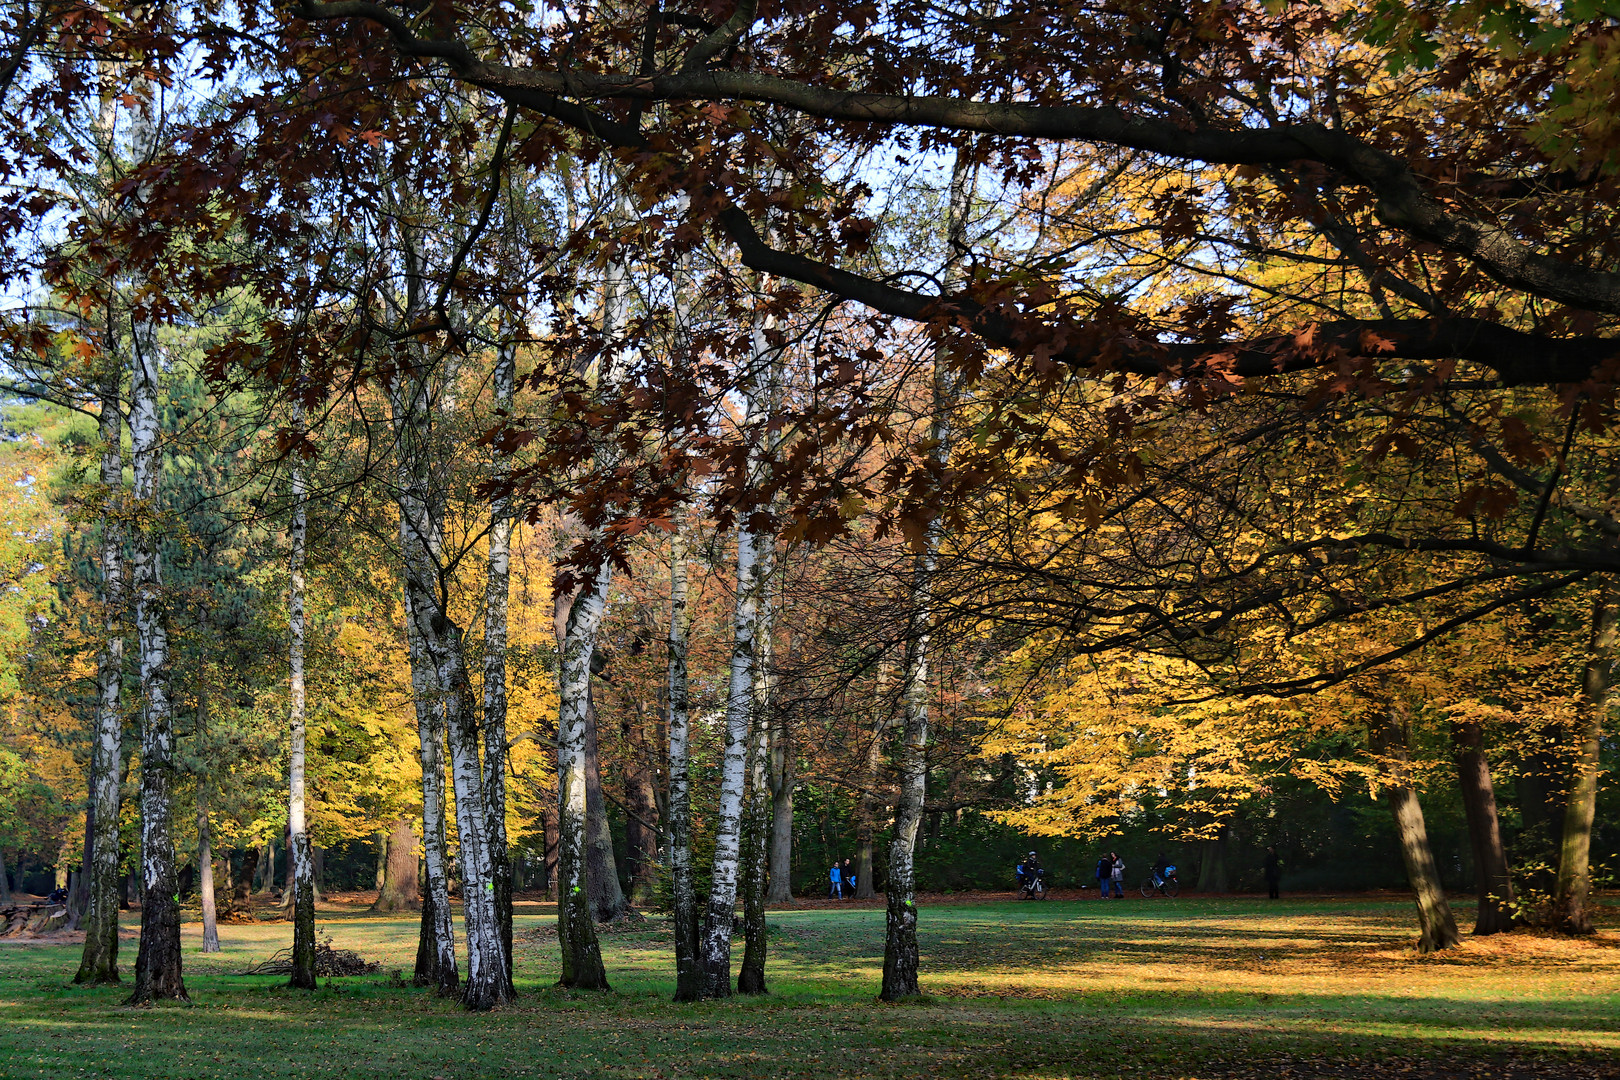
column 757, row 810
column 399, row 887
column 99, row 961
column 641, row 808
column 688, row 984
column 1491, row 878
column 579, row 620
column 900, row 958
column 761, row 384
column 1436, row 925
column 601, row 868
column 158, row 963
column 780, row 775
column 1572, row 889
column 497, row 590
column 303, row 873
column 205, row 865
column 439, row 650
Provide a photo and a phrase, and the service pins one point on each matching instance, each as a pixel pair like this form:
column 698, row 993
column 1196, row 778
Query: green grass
column 1187, row 988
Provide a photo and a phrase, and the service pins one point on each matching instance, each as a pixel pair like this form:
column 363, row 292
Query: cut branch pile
column 328, row 962
column 32, row 919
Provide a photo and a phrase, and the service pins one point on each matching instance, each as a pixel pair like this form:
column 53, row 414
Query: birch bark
column 715, row 946
column 497, row 591
column 303, row 873
column 757, row 814
column 581, row 952
column 436, row 942
column 688, row 986
column 439, row 651
column 158, row 964
column 99, row 962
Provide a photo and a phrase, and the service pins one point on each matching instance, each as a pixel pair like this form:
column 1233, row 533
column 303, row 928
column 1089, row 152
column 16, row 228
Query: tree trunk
column 757, row 813
column 79, row 883
column 641, row 810
column 497, row 589
column 303, row 906
column 241, row 891
column 99, row 962
column 5, row 883
column 601, row 868
column 688, row 984
column 158, row 963
column 266, row 869
column 1437, row 926
column 900, row 958
column 577, row 622
column 1491, row 879
column 865, row 811
column 399, row 887
column 780, row 776
column 380, row 838
column 548, row 858
column 1213, row 876
column 1573, row 887
column 205, row 863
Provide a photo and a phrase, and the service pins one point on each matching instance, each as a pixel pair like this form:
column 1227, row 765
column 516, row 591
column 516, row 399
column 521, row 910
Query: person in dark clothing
column 849, row 878
column 1160, row 865
column 1105, row 870
column 1273, row 870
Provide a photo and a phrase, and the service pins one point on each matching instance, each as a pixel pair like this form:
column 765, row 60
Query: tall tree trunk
column 380, row 838
column 1573, row 887
column 757, row 812
column 761, row 385
column 577, row 620
column 1492, row 881
column 436, row 944
column 158, row 963
column 1212, row 870
column 900, row 958
column 688, row 983
column 399, row 887
column 99, row 962
column 497, row 589
column 548, row 857
column 601, row 868
column 641, row 809
column 303, row 873
column 79, row 883
column 1437, row 927
column 241, row 892
column 205, row 863
column 780, row 775
column 866, row 807
column 266, row 867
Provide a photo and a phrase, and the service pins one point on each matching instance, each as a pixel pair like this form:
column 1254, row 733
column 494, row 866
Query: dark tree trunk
column 79, row 883
column 1437, row 927
column 399, row 888
column 242, row 885
column 601, row 869
column 641, row 817
column 1573, row 887
column 1491, row 879
column 1213, row 874
column 548, row 857
column 756, row 826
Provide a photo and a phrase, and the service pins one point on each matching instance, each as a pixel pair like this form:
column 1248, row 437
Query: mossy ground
column 1185, row 988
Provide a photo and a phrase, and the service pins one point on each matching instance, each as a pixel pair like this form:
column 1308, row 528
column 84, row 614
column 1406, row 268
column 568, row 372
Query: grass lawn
column 1183, row 988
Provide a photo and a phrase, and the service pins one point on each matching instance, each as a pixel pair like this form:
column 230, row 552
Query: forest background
column 881, row 474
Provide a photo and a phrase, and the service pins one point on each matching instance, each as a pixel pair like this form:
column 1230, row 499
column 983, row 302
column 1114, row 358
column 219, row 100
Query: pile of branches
column 328, row 961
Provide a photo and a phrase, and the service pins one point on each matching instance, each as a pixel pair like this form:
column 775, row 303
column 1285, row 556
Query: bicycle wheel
column 1147, row 887
column 1039, row 892
column 1172, row 887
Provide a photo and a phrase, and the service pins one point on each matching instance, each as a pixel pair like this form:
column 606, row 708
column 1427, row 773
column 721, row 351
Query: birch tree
column 99, row 963
column 497, row 589
column 158, row 963
column 303, row 872
column 688, row 984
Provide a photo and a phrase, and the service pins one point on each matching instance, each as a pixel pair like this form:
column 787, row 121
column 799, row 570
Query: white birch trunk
column 757, row 810
column 158, row 963
column 497, row 590
column 436, row 946
column 715, row 945
column 581, row 952
column 687, row 983
column 99, row 963
column 303, row 871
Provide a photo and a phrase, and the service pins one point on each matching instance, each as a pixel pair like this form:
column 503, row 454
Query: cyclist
column 1028, row 871
column 1159, row 868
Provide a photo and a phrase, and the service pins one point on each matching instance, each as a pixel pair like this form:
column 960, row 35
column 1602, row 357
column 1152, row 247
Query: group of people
column 1111, row 873
column 841, row 878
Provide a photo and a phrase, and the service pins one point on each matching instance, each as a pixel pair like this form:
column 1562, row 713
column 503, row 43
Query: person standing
column 835, row 876
column 1105, row 873
column 1273, row 870
column 1116, row 876
column 849, row 878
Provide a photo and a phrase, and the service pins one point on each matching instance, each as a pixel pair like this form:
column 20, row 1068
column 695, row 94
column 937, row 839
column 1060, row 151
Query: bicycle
column 1169, row 885
column 1033, row 888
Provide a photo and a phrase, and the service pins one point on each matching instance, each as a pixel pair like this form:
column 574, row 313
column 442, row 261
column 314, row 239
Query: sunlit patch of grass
column 1193, row 988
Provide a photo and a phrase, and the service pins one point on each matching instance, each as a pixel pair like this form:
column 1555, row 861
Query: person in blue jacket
column 836, row 876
